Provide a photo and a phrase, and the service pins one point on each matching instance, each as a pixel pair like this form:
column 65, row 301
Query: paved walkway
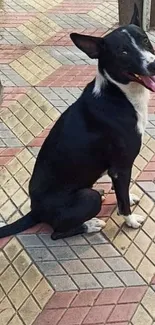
column 99, row 279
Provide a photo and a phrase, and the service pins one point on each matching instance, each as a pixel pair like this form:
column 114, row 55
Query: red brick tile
column 4, row 241
column 33, row 230
column 110, row 199
column 36, row 142
column 153, row 280
column 61, row 300
column 122, row 313
column 146, row 176
column 4, row 160
column 98, row 314
column 74, row 316
column 109, row 296
column 106, row 210
column 124, row 323
column 46, row 229
column 49, row 317
column 10, row 152
column 85, row 298
column 153, row 158
column 133, row 294
column 150, row 166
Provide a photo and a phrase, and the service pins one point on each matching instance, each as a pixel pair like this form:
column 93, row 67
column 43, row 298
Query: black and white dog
column 102, row 131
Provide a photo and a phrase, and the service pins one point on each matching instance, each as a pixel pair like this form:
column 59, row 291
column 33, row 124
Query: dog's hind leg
column 78, row 216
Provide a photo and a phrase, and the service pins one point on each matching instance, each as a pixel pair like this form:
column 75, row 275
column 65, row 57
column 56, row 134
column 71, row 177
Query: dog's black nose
column 151, row 67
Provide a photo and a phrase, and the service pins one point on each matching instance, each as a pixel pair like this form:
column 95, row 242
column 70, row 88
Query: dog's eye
column 125, row 53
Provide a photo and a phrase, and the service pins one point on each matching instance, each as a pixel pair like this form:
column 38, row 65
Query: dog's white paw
column 94, row 225
column 134, row 199
column 134, row 220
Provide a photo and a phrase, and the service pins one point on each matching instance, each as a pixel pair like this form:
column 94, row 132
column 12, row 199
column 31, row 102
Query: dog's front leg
column 121, row 182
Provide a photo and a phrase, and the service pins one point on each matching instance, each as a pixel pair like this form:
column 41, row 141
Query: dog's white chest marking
column 138, row 96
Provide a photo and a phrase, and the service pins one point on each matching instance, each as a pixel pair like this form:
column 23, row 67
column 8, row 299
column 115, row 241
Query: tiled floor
column 108, row 278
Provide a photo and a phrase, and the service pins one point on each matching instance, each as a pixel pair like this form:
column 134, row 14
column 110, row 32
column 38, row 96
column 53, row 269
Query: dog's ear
column 135, row 18
column 88, row 44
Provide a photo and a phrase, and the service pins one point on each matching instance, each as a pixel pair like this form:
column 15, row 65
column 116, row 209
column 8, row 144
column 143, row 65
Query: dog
column 101, row 132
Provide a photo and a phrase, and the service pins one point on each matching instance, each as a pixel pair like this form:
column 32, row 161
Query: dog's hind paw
column 94, row 225
column 134, row 199
column 134, row 220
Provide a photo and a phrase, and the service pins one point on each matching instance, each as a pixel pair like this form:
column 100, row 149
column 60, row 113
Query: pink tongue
column 149, row 82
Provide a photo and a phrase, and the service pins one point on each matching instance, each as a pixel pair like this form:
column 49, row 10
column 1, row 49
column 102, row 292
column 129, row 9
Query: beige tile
column 121, row 242
column 146, row 153
column 16, row 321
column 12, row 248
column 149, row 228
column 2, row 294
column 29, row 311
column 11, row 187
column 24, row 156
column 142, row 241
column 146, row 269
column 151, row 253
column 146, row 204
column 141, row 317
column 6, row 311
column 32, row 277
column 140, row 162
column 3, row 197
column 18, row 294
column 152, row 215
column 43, row 293
column 22, row 262
column 110, row 229
column 7, row 209
column 14, row 166
column 149, row 302
column 134, row 255
column 19, row 197
column 8, row 279
column 3, row 262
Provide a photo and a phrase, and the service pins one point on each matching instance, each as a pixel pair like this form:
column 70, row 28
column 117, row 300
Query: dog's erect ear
column 88, row 44
column 135, row 18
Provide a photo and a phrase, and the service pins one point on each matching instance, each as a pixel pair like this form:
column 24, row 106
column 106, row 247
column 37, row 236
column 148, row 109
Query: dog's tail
column 20, row 225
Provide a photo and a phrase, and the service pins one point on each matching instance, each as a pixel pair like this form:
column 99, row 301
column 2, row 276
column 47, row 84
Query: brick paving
column 106, row 278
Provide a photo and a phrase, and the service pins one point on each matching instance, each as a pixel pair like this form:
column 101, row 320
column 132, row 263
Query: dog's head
column 125, row 54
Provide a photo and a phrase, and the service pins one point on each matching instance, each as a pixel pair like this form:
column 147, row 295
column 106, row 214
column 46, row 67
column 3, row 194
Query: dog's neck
column 137, row 94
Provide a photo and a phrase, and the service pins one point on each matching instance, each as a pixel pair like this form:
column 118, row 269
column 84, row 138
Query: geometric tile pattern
column 107, row 278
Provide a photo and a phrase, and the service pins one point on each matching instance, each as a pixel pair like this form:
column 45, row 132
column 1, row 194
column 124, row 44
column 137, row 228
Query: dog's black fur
column 94, row 135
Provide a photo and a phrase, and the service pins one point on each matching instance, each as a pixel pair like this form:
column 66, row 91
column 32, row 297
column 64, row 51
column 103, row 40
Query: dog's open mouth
column 147, row 81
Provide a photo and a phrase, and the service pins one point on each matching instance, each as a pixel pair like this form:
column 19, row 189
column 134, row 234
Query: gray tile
column 30, row 241
column 40, row 254
column 106, row 250
column 131, row 278
column 74, row 267
column 76, row 240
column 85, row 251
column 51, row 268
column 118, row 264
column 96, row 265
column 86, row 281
column 46, row 238
column 151, row 117
column 108, row 280
column 63, row 253
column 34, row 151
column 62, row 283
column 97, row 238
